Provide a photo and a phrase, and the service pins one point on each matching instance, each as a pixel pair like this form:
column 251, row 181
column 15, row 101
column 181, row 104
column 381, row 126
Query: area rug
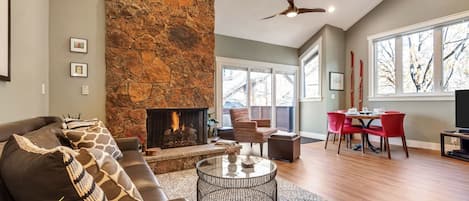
column 183, row 184
column 307, row 140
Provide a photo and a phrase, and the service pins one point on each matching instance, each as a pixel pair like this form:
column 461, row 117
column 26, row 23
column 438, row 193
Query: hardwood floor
column 425, row 175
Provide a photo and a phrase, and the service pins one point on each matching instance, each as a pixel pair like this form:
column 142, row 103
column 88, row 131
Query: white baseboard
column 410, row 143
column 392, row 141
column 318, row 136
column 416, row 143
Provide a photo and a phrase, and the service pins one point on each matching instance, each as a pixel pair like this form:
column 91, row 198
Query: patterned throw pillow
column 46, row 174
column 96, row 137
column 70, row 123
column 109, row 175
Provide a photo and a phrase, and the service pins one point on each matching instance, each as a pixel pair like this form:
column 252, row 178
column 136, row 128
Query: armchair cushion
column 245, row 124
column 262, row 122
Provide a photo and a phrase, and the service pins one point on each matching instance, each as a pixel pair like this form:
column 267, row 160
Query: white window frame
column 302, row 58
column 438, row 94
column 248, row 65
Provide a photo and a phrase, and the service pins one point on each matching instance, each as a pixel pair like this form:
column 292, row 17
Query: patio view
column 254, row 88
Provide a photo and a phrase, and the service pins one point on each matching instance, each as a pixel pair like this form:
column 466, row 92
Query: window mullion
column 438, row 60
column 399, row 66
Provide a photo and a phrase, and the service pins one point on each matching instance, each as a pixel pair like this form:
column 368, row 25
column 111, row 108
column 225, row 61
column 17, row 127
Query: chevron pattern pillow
column 47, row 174
column 109, row 175
column 94, row 137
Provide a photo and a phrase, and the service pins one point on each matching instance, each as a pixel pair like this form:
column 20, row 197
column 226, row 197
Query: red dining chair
column 391, row 112
column 348, row 122
column 392, row 126
column 379, row 127
column 336, row 125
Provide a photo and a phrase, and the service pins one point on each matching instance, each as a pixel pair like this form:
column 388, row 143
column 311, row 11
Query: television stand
column 463, row 153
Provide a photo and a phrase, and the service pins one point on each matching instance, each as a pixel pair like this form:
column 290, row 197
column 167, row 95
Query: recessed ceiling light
column 331, row 9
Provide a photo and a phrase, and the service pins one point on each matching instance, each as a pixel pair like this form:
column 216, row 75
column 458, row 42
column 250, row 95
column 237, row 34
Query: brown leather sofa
column 132, row 162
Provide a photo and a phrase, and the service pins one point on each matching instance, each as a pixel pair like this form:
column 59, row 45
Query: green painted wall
column 65, row 96
column 22, row 98
column 313, row 117
column 226, row 46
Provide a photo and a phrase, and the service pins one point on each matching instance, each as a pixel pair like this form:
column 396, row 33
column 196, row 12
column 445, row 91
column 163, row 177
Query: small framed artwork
column 336, row 81
column 78, row 45
column 78, row 70
column 5, row 71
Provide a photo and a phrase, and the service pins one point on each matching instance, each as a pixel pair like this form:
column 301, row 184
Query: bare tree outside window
column 416, row 68
column 385, row 61
column 417, row 52
column 456, row 57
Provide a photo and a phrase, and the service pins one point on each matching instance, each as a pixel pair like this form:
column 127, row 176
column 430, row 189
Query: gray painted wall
column 82, row 19
column 226, row 46
column 21, row 98
column 313, row 114
column 426, row 119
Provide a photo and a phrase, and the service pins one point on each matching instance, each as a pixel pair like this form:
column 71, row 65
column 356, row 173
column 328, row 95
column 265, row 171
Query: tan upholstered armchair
column 247, row 130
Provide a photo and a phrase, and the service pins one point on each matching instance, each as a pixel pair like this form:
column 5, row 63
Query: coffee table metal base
column 210, row 192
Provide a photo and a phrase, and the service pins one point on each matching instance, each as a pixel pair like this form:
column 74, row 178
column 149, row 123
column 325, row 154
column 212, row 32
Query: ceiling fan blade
column 282, row 13
column 265, row 18
column 292, row 3
column 311, row 10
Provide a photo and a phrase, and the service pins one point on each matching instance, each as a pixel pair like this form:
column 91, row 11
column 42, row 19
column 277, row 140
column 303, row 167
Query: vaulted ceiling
column 242, row 19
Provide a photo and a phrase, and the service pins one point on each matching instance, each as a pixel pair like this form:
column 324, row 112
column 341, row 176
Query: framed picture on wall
column 78, row 45
column 5, row 71
column 78, row 70
column 336, row 81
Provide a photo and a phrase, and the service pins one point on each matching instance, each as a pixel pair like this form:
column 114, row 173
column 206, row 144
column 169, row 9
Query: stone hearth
column 159, row 54
column 183, row 158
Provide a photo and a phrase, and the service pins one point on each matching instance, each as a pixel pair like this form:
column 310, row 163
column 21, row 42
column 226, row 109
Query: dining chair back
column 393, row 124
column 336, row 125
column 335, row 121
column 391, row 112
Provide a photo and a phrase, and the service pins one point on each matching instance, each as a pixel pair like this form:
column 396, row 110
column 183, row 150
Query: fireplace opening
column 171, row 128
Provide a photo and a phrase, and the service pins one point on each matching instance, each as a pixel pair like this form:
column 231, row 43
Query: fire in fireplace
column 170, row 128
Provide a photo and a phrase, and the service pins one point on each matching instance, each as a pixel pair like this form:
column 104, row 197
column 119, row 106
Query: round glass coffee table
column 221, row 180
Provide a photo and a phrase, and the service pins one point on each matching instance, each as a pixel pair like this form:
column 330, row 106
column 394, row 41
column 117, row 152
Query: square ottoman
column 284, row 146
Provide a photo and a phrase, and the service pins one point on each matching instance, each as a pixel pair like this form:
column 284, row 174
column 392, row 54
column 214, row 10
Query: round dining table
column 362, row 117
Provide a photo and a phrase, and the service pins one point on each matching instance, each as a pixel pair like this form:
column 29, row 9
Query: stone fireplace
column 171, row 128
column 159, row 54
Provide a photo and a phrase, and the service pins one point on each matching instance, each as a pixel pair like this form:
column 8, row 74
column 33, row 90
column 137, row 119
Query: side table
column 457, row 154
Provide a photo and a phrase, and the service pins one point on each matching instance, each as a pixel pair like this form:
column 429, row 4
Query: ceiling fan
column 293, row 11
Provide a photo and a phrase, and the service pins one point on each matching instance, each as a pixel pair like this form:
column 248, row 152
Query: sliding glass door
column 235, row 91
column 285, row 83
column 261, row 94
column 268, row 93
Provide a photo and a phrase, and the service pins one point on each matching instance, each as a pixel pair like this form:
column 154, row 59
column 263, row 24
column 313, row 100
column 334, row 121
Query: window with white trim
column 430, row 60
column 311, row 73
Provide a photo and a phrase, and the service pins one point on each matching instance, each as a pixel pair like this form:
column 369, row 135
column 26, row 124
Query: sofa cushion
column 109, row 175
column 4, row 194
column 26, row 169
column 46, row 137
column 24, row 126
column 95, row 137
